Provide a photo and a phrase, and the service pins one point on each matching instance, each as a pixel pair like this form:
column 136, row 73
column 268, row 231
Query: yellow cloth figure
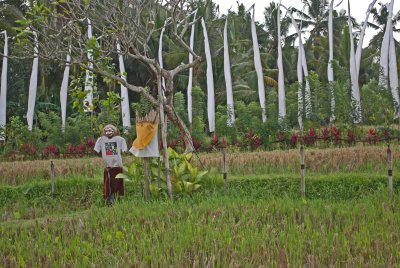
column 145, row 132
column 146, row 127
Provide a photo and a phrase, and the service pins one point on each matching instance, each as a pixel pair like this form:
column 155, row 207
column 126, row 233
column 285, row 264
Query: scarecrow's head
column 110, row 131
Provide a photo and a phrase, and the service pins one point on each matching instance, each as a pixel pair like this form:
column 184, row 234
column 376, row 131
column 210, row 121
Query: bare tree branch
column 131, row 23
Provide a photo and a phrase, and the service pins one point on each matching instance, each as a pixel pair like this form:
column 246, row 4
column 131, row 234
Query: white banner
column 258, row 67
column 88, row 102
column 210, row 82
column 125, row 110
column 393, row 77
column 302, row 63
column 330, row 33
column 160, row 58
column 33, row 83
column 190, row 82
column 330, row 68
column 355, row 90
column 281, row 79
column 3, row 91
column 300, row 69
column 228, row 78
column 384, row 59
column 64, row 91
column 307, row 91
column 300, row 89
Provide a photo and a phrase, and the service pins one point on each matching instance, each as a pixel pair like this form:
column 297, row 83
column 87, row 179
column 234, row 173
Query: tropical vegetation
column 377, row 108
column 52, row 213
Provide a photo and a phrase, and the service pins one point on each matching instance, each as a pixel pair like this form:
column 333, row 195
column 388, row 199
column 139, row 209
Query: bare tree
column 63, row 25
column 61, row 28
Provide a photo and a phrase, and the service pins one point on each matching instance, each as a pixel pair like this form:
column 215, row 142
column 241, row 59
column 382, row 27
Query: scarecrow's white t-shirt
column 111, row 150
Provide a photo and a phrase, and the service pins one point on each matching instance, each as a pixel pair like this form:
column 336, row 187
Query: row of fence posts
column 147, row 165
column 302, row 171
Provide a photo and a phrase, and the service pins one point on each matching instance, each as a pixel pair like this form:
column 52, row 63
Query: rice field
column 346, row 220
column 359, row 159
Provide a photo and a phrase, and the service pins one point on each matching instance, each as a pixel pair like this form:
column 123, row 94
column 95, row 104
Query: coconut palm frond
column 269, row 81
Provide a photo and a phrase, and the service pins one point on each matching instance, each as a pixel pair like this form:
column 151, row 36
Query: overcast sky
column 358, row 9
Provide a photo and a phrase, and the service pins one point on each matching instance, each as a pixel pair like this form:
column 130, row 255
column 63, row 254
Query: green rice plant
column 221, row 231
column 77, row 193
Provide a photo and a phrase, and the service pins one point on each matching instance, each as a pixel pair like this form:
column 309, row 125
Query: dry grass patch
column 351, row 159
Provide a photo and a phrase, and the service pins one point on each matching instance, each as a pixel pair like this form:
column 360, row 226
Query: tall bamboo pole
column 164, row 136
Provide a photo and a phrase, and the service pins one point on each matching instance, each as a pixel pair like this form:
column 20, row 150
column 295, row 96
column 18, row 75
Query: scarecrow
column 111, row 144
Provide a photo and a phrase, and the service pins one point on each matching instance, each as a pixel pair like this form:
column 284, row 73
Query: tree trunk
column 174, row 117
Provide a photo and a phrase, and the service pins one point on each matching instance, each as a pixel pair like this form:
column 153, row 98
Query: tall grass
column 346, row 220
column 77, row 193
column 369, row 159
column 216, row 232
column 34, row 201
column 15, row 173
column 351, row 159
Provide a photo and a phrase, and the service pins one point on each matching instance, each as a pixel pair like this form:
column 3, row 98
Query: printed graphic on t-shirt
column 111, row 148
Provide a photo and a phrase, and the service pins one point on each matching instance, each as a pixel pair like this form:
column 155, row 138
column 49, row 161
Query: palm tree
column 372, row 52
column 240, row 49
column 379, row 24
column 270, row 15
column 315, row 21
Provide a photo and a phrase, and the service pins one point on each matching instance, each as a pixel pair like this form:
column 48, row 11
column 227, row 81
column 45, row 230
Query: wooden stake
column 390, row 175
column 52, row 177
column 147, row 172
column 159, row 173
column 224, row 168
column 302, row 172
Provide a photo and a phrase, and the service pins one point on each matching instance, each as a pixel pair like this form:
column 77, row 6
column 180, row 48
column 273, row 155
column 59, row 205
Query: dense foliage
column 248, row 131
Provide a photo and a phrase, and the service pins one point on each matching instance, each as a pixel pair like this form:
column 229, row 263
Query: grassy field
column 346, row 220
